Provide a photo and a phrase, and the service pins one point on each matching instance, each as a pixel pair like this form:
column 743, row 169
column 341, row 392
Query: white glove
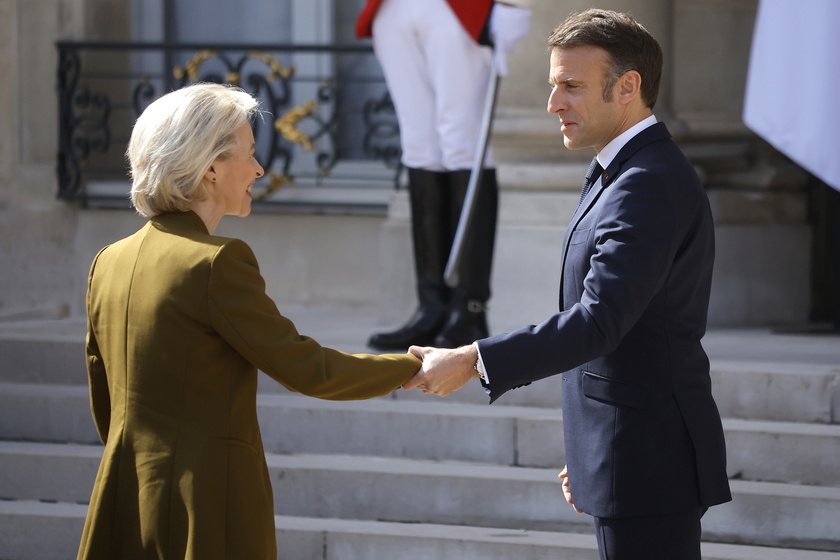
column 508, row 24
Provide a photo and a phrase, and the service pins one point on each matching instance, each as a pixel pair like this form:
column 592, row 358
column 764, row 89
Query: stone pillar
column 657, row 17
column 36, row 230
column 711, row 54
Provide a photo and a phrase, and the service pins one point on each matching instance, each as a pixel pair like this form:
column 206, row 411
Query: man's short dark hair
column 629, row 46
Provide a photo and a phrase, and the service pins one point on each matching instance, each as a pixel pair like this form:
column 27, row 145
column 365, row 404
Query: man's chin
column 570, row 143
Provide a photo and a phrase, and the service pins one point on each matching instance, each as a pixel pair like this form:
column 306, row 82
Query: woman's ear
column 210, row 175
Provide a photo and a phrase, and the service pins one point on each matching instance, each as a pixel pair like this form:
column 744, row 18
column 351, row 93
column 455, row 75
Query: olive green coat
column 178, row 325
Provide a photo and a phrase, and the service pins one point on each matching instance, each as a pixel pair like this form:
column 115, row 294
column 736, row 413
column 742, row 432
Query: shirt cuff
column 479, row 366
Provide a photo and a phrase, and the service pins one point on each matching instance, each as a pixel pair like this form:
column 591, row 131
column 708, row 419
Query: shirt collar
column 611, row 150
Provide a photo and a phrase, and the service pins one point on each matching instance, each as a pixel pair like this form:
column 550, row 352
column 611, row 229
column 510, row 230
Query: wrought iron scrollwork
column 382, row 130
column 327, row 156
column 83, row 116
column 287, row 128
column 143, row 94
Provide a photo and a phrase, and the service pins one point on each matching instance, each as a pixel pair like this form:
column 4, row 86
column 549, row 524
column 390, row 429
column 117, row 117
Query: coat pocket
column 614, row 392
column 235, row 442
column 579, row 236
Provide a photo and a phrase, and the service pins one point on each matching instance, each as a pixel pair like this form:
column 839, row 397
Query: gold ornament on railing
column 191, row 68
column 287, row 125
column 277, row 69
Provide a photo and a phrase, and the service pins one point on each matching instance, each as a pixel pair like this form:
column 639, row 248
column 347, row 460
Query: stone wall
column 36, row 231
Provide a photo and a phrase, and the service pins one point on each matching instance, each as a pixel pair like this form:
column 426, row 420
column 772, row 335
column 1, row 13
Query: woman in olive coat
column 178, row 326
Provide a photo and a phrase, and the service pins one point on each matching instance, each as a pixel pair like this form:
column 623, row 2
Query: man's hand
column 567, row 490
column 443, row 370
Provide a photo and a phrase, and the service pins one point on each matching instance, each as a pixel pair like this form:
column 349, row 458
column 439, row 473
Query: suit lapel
column 653, row 133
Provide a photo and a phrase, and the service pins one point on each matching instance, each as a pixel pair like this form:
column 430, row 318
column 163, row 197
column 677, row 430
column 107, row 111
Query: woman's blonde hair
column 176, row 140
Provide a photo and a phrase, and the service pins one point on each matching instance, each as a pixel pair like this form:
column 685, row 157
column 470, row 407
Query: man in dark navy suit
column 645, row 449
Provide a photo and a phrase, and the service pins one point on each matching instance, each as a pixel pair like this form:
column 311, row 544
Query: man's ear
column 629, row 86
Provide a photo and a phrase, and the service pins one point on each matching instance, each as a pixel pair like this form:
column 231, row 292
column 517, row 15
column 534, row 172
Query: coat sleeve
column 248, row 320
column 100, row 397
column 618, row 265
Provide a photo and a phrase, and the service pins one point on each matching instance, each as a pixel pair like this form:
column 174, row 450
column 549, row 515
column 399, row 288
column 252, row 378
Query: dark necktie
column 595, row 169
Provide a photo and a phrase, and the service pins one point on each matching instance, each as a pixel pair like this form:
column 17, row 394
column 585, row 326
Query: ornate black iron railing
column 329, row 120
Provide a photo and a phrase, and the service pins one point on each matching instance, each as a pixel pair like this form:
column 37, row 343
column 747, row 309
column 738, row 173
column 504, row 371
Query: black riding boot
column 467, row 319
column 430, row 231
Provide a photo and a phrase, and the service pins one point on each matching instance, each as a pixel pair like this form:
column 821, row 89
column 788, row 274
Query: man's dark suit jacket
column 642, row 432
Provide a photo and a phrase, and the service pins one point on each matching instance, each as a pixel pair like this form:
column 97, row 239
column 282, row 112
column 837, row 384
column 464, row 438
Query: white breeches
column 438, row 77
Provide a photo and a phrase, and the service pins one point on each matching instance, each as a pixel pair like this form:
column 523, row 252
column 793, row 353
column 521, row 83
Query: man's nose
column 555, row 102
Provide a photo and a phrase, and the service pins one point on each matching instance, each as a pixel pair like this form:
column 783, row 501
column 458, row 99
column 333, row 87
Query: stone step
column 48, row 413
column 436, row 430
column 756, row 374
column 527, row 498
column 456, row 493
column 50, row 357
column 23, row 525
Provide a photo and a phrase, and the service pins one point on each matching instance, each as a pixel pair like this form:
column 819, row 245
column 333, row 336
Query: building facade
column 767, row 266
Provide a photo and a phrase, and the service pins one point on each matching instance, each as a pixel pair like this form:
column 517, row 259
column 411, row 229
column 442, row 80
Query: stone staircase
column 418, row 477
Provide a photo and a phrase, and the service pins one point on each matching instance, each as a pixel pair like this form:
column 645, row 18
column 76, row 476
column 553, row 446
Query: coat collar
column 179, row 222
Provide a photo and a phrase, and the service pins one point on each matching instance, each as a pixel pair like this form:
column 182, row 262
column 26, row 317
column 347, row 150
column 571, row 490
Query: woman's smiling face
column 235, row 174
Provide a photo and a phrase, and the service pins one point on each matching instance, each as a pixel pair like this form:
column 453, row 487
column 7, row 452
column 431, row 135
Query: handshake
column 444, row 370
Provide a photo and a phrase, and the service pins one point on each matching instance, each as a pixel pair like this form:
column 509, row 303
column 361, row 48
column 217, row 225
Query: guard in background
column 437, row 56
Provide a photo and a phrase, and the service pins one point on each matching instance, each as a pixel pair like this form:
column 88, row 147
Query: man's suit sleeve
column 248, row 319
column 622, row 252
